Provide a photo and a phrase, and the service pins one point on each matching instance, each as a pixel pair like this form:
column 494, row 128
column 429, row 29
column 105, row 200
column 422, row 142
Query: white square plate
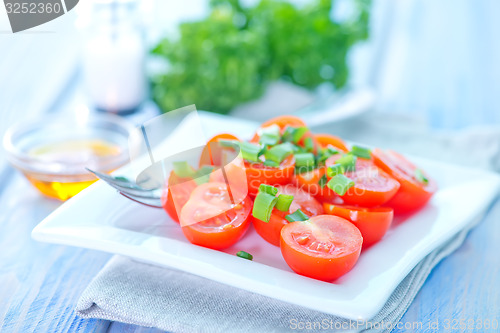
column 101, row 219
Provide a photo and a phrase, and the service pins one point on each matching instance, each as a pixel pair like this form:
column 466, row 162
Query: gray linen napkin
column 137, row 293
column 146, row 295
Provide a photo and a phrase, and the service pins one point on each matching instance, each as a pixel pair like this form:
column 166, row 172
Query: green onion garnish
column 202, row 176
column 268, row 189
column 293, row 147
column 228, row 143
column 284, row 202
column 419, row 175
column 278, row 153
column 270, row 135
column 325, row 153
column 309, row 144
column 348, row 161
column 298, row 215
column 322, row 181
column 330, row 150
column 183, row 169
column 244, row 255
column 299, row 133
column 269, row 140
column 250, row 151
column 304, row 160
column 270, row 163
column 334, row 170
column 263, row 206
column 340, row 184
column 361, row 152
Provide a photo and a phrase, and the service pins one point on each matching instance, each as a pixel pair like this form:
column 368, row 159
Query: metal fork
column 132, row 191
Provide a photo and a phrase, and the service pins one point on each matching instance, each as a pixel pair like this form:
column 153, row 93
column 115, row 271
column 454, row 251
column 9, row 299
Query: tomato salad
column 317, row 198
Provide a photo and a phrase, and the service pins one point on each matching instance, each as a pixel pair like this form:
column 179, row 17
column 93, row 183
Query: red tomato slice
column 327, row 139
column 176, row 196
column 258, row 173
column 302, row 200
column 309, row 182
column 210, row 219
column 413, row 194
column 373, row 223
column 373, row 187
column 324, row 247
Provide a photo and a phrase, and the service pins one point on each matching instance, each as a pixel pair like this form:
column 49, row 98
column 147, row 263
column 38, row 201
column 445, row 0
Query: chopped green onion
column 228, row 143
column 250, row 151
column 325, row 153
column 304, row 160
column 294, row 134
column 293, row 147
column 183, row 169
column 202, row 176
column 348, row 161
column 268, row 189
column 298, row 215
column 271, row 129
column 331, row 150
column 263, row 206
column 244, row 255
column 270, row 135
column 322, row 181
column 284, row 202
column 334, row 170
column 299, row 133
column 361, row 152
column 309, row 144
column 270, row 163
column 278, row 153
column 269, row 140
column 419, row 175
column 340, row 184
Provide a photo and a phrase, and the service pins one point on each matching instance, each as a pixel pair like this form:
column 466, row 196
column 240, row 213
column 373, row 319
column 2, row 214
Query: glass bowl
column 54, row 151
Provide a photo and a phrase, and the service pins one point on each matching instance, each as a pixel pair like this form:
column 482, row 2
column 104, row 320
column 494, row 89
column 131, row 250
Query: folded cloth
column 146, row 295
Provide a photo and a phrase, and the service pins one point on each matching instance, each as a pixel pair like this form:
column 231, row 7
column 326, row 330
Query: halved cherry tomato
column 309, row 182
column 325, row 247
column 211, row 154
column 302, row 200
column 284, row 121
column 327, row 139
column 373, row 187
column 413, row 194
column 373, row 223
column 176, row 196
column 210, row 219
column 258, row 173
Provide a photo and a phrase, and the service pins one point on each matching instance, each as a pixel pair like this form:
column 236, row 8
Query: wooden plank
column 40, row 283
